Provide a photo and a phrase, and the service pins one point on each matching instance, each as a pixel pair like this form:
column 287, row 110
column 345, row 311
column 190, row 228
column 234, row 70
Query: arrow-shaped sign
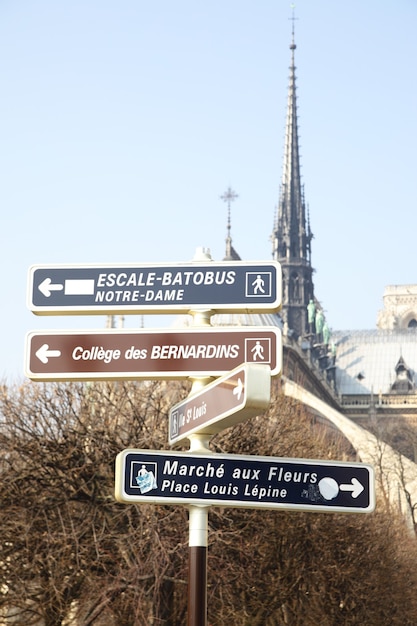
column 44, row 353
column 355, row 487
column 242, row 393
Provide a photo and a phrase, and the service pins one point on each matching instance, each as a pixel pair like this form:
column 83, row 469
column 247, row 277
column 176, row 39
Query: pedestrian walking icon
column 258, row 284
column 258, row 350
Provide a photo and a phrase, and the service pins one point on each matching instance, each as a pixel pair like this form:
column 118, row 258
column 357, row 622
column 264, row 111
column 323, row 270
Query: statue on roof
column 326, row 333
column 333, row 352
column 319, row 325
column 311, row 314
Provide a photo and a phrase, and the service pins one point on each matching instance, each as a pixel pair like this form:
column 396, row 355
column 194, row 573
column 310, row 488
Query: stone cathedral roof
column 375, row 361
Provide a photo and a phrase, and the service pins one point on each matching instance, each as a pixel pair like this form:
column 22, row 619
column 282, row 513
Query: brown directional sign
column 232, row 398
column 150, row 354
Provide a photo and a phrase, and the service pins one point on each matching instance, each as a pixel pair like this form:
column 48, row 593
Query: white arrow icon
column 46, row 287
column 44, row 353
column 71, row 287
column 355, row 487
column 237, row 391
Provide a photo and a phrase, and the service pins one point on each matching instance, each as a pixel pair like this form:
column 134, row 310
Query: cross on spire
column 293, row 18
column 229, row 196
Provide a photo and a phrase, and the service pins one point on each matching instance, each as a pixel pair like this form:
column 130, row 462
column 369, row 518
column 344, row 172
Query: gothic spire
column 291, row 236
column 229, row 196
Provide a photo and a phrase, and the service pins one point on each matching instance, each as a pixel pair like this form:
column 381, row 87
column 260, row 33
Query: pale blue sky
column 122, row 123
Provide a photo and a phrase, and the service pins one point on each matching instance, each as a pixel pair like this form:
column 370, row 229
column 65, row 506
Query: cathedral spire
column 229, row 196
column 292, row 236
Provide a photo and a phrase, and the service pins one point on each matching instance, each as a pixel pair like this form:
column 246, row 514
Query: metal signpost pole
column 197, row 568
column 197, row 550
column 198, row 520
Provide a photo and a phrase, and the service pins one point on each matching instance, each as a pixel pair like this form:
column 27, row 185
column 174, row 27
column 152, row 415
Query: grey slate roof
column 246, row 319
column 366, row 360
column 234, row 319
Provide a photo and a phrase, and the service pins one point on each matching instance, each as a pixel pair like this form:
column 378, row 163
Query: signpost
column 150, row 354
column 100, row 289
column 160, row 477
column 244, row 358
column 243, row 393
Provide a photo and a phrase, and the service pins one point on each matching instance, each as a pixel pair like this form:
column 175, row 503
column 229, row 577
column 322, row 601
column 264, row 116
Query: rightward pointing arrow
column 355, row 487
column 71, row 287
column 237, row 391
column 44, row 353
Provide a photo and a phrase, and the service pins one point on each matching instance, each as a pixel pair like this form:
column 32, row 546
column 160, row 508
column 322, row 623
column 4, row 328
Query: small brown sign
column 232, row 398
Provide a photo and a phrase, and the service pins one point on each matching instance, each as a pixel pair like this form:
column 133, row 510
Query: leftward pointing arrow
column 71, row 287
column 47, row 286
column 355, row 487
column 237, row 391
column 44, row 353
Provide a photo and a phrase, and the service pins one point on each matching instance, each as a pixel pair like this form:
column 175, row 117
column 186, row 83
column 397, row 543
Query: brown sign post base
column 197, row 586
